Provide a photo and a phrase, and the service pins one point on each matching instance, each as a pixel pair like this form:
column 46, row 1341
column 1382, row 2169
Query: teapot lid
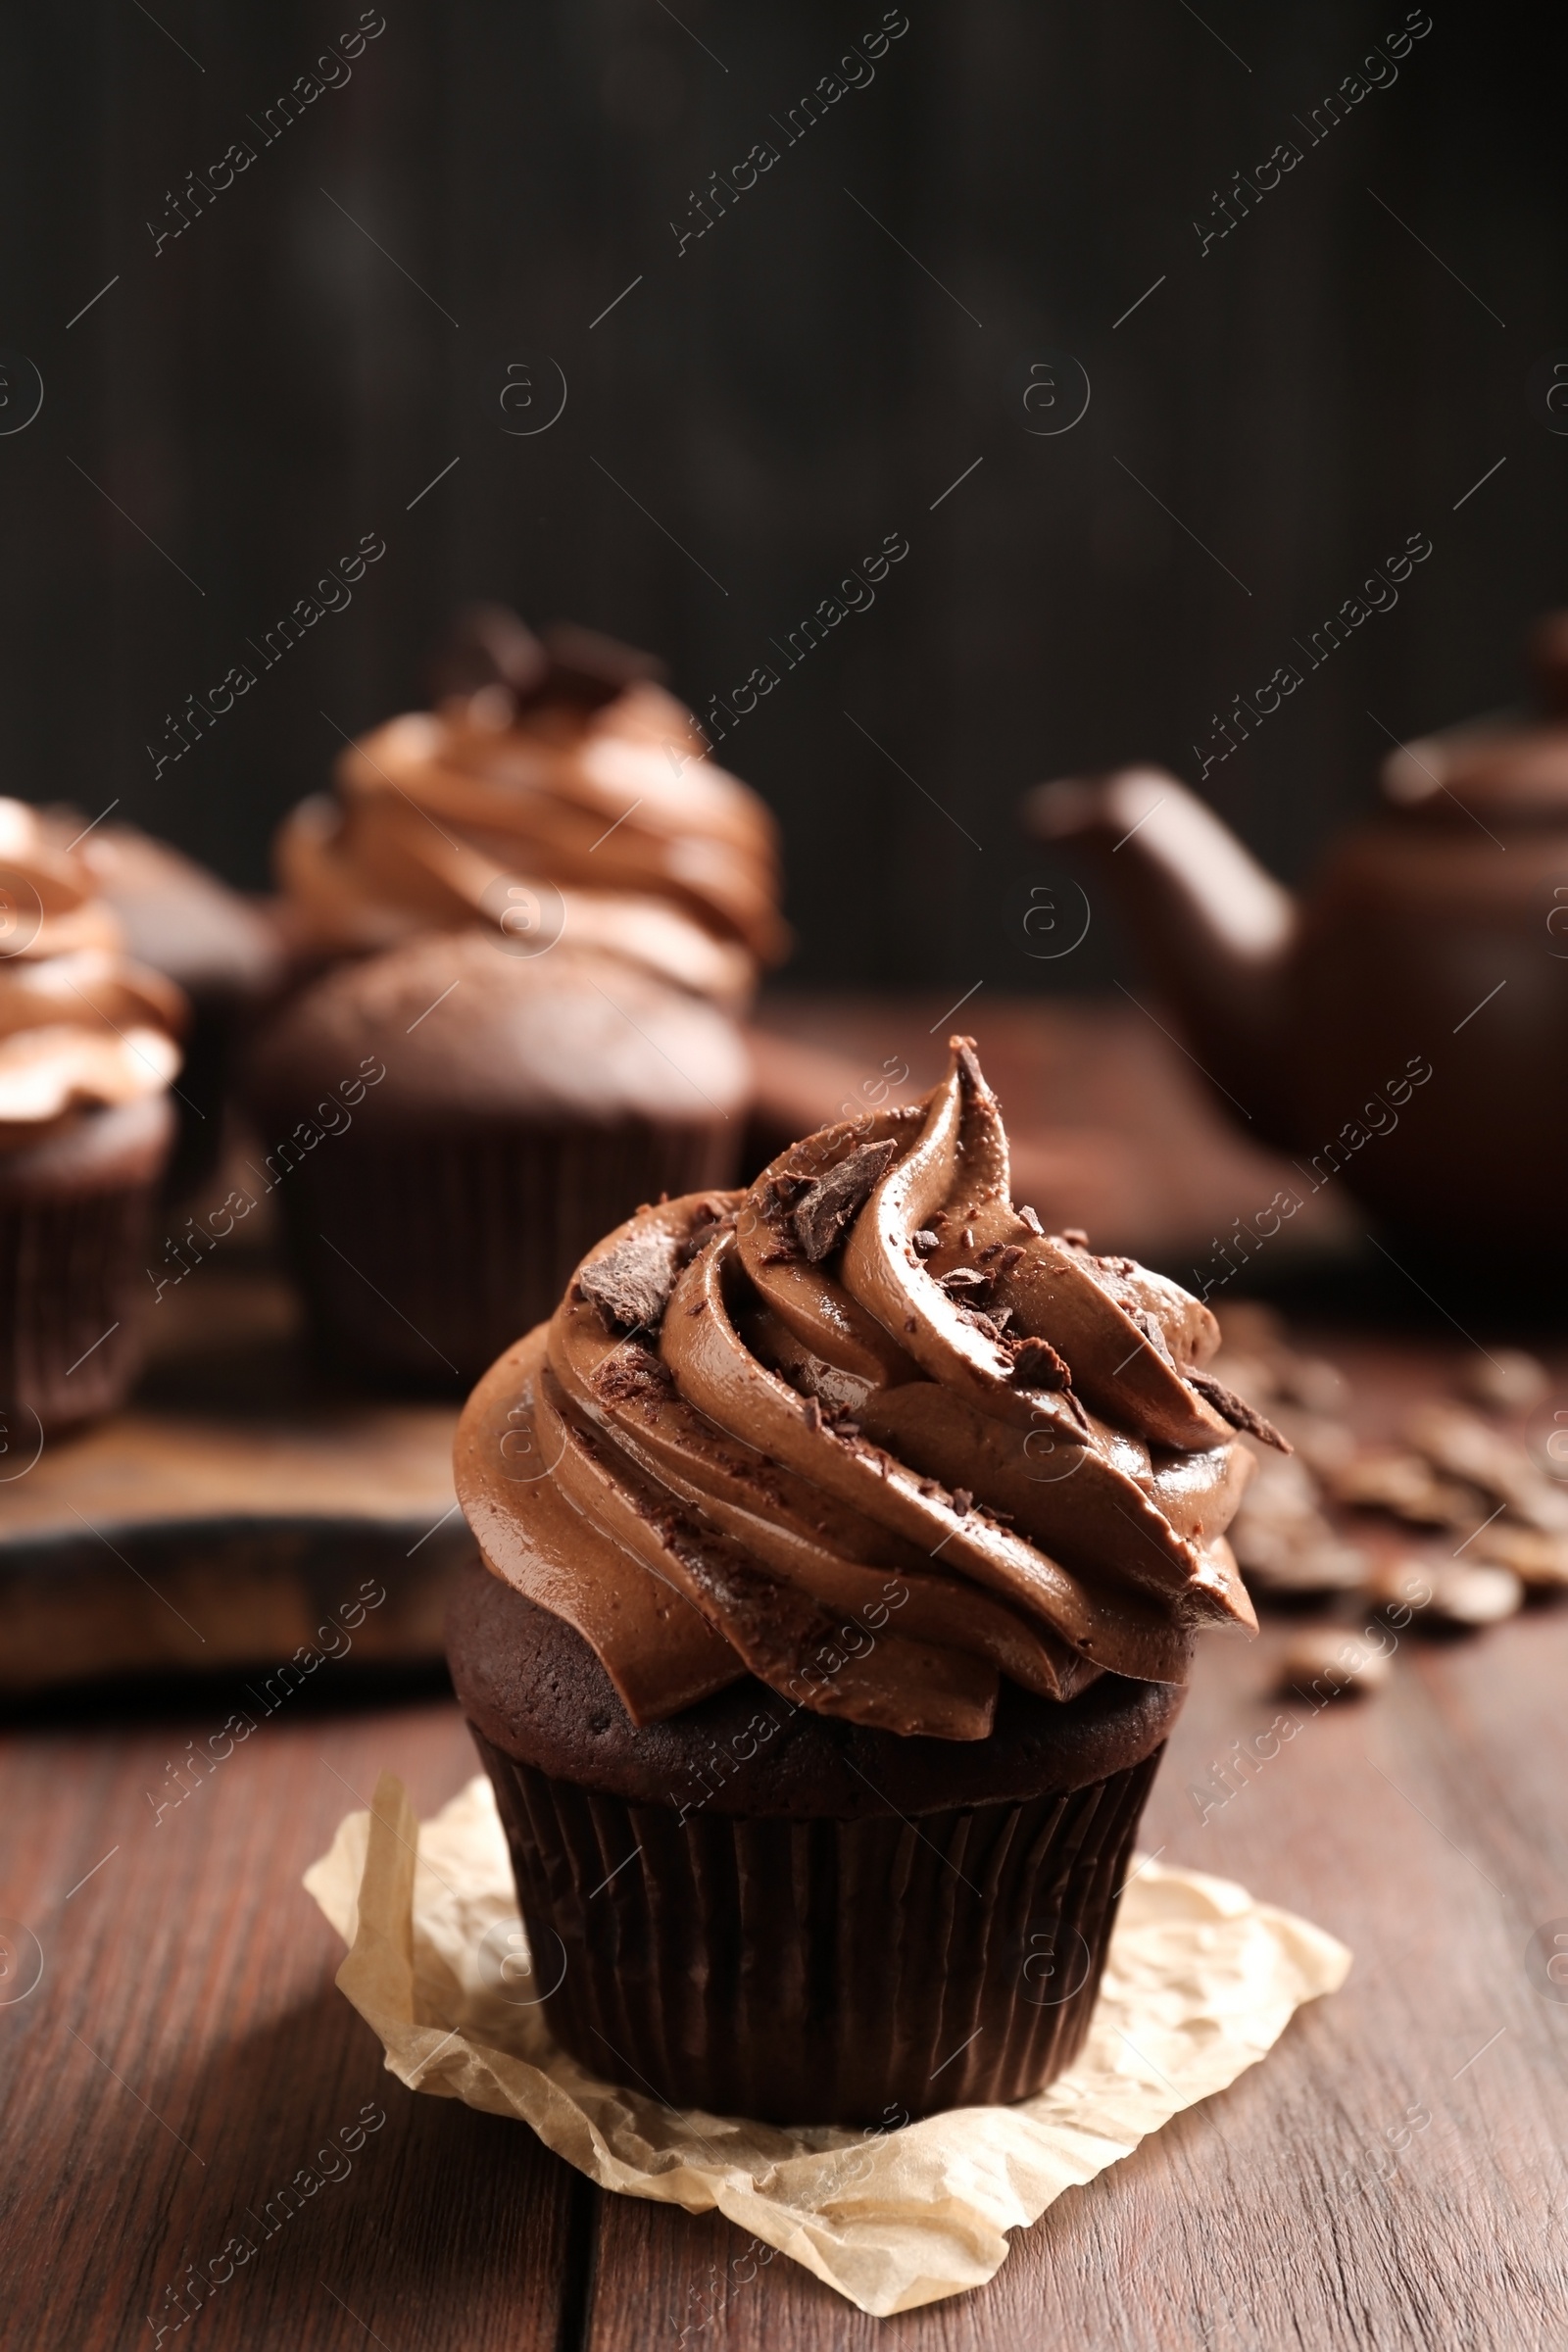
column 1509, row 763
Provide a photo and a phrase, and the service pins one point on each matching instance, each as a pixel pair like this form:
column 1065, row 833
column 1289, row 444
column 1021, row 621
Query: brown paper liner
column 814, row 1971
column 423, row 1256
column 73, row 1293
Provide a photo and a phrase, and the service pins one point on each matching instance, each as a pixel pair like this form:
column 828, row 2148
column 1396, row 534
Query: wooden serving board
column 238, row 1512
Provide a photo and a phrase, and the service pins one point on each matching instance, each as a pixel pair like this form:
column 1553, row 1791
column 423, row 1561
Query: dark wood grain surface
column 1392, row 2177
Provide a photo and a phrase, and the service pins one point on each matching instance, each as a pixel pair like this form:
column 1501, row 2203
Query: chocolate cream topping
column 869, row 1434
column 80, row 1025
column 564, row 789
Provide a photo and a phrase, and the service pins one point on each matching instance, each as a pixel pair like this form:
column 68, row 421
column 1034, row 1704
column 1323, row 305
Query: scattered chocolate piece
column 1508, row 1381
column 1539, row 1560
column 1028, row 1217
column 1037, row 1365
column 824, row 1212
column 1329, row 1662
column 1448, row 1596
column 925, row 1241
column 1237, row 1411
column 1464, row 1446
column 1388, row 1478
column 630, row 1285
column 1286, row 1548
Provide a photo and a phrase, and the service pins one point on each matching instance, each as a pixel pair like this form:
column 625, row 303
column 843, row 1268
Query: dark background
column 794, row 387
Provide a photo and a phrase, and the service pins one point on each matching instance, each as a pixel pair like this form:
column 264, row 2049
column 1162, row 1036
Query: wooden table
column 1392, row 2177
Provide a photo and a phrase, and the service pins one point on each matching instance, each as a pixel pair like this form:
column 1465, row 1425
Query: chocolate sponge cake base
column 763, row 1911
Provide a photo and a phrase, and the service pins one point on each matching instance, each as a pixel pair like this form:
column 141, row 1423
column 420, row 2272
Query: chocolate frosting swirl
column 867, row 1433
column 80, row 1025
column 590, row 786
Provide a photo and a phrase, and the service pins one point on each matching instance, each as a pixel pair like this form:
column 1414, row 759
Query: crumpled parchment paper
column 1201, row 1983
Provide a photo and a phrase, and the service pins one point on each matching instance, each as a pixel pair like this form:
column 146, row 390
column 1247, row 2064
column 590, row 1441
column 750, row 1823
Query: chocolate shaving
column 1037, row 1365
column 965, row 1277
column 822, row 1212
column 630, row 1372
column 812, row 1413
column 962, row 1501
column 1237, row 1411
column 1011, row 1256
column 630, row 1285
column 925, row 1241
column 1028, row 1217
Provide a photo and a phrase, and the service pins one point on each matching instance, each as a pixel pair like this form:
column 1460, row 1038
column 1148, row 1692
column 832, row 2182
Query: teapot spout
column 1213, row 927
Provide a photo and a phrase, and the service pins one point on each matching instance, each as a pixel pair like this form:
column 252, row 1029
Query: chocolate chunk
column 1327, row 1662
column 1237, row 1411
column 925, row 1241
column 588, row 669
column 631, row 1372
column 487, row 645
column 1028, row 1217
column 822, row 1213
column 1037, row 1365
column 630, row 1285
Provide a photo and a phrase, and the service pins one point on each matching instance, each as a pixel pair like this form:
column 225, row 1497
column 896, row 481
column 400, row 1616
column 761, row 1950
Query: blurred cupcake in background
column 182, row 922
column 87, row 1056
column 540, row 907
column 555, row 784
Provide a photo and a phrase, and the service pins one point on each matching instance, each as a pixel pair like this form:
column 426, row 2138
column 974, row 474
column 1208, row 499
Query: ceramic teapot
column 1403, row 1029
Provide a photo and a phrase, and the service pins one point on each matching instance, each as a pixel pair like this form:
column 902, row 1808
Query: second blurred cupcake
column 555, row 782
column 87, row 1055
column 540, row 907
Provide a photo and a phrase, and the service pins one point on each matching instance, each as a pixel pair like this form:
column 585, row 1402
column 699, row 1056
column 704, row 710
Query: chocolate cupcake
column 178, row 919
column 555, row 783
column 448, row 1128
column 843, row 1544
column 87, row 1055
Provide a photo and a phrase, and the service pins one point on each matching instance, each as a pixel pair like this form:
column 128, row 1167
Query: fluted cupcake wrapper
column 423, row 1255
column 802, row 1970
column 73, row 1288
